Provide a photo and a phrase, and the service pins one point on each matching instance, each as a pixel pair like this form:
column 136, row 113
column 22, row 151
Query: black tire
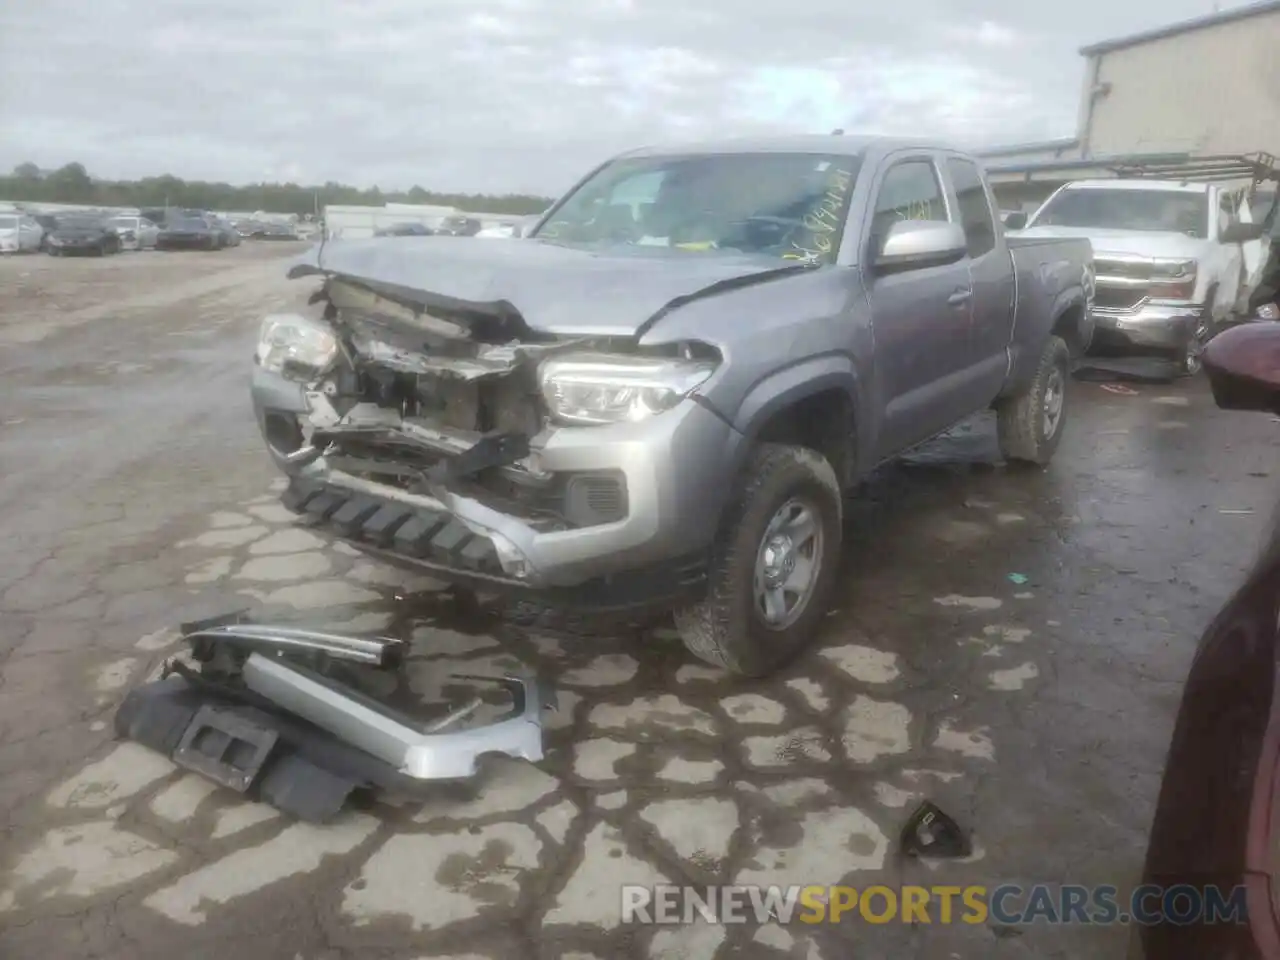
column 1022, row 423
column 725, row 629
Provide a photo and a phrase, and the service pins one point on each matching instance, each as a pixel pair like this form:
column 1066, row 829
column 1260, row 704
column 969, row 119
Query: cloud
column 500, row 95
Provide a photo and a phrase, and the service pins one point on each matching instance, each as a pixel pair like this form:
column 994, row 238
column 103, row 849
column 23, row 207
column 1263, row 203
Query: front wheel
column 773, row 565
column 1189, row 362
column 1030, row 424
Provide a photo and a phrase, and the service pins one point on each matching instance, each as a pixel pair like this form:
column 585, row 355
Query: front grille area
column 1118, row 298
column 411, row 531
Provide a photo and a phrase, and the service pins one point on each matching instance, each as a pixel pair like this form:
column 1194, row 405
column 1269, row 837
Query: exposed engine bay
column 447, row 396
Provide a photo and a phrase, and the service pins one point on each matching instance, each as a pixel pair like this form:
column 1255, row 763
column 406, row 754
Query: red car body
column 1217, row 820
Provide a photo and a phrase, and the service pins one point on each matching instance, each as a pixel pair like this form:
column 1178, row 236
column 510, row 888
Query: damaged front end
column 424, row 422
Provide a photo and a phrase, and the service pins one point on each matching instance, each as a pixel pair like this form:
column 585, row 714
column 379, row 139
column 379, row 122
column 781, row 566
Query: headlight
column 608, row 388
column 1269, row 311
column 1173, row 269
column 295, row 346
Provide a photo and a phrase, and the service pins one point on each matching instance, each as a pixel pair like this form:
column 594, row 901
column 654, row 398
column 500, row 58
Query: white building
column 1201, row 88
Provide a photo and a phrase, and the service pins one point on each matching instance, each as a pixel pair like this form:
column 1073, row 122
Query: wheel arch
column 813, row 405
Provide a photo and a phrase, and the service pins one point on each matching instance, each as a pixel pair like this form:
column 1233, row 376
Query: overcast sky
column 521, row 95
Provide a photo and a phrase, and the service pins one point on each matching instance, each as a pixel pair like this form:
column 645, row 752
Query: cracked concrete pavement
column 134, row 494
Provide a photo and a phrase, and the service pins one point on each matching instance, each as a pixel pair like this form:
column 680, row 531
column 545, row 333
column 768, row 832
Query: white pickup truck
column 1169, row 256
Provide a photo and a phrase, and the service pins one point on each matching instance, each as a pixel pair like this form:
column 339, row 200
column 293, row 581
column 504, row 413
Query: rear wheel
column 773, row 565
column 1030, row 424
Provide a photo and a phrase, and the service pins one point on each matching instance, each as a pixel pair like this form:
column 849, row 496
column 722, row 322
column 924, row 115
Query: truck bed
column 1045, row 270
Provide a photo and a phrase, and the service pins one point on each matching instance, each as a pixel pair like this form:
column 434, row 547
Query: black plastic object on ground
column 258, row 751
column 931, row 833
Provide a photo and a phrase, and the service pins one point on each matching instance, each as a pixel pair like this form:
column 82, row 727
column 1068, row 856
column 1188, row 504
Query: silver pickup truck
column 657, row 399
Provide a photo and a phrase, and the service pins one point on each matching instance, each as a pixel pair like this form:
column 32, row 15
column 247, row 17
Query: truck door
column 991, row 273
column 919, row 317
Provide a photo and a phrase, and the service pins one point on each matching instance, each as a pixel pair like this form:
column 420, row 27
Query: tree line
column 73, row 184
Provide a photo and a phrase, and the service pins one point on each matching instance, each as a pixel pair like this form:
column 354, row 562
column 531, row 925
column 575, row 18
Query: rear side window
column 909, row 191
column 975, row 210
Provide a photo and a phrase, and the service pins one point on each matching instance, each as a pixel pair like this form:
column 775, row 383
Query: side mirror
column 1240, row 232
column 1243, row 367
column 911, row 244
column 1015, row 221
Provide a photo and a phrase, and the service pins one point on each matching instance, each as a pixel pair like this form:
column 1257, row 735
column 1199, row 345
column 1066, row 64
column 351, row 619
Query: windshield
column 786, row 205
column 79, row 223
column 129, row 223
column 8, row 223
column 188, row 224
column 1156, row 211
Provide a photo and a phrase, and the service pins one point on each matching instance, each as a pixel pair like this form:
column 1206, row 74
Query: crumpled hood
column 1138, row 243
column 555, row 290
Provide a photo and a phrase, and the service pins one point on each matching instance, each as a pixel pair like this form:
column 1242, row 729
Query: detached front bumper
column 265, row 716
column 1151, row 326
column 673, row 471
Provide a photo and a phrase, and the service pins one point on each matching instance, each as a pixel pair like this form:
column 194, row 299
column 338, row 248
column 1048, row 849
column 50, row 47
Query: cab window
column 909, row 191
column 975, row 209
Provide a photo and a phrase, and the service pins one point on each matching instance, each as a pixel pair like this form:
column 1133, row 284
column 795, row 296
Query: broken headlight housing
column 295, row 346
column 1173, row 279
column 593, row 389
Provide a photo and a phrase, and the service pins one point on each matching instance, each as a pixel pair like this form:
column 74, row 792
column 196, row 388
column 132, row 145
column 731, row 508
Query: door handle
column 959, row 297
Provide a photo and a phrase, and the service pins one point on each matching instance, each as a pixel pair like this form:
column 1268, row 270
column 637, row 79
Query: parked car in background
column 82, row 233
column 247, row 228
column 190, row 233
column 405, row 230
column 136, row 233
column 634, row 444
column 230, row 235
column 1168, row 257
column 499, row 231
column 20, row 233
column 458, row 225
column 275, row 230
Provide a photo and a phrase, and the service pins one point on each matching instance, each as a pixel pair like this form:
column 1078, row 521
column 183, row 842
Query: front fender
column 792, row 384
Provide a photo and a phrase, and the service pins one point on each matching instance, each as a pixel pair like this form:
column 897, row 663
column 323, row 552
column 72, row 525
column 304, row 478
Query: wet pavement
column 1008, row 644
